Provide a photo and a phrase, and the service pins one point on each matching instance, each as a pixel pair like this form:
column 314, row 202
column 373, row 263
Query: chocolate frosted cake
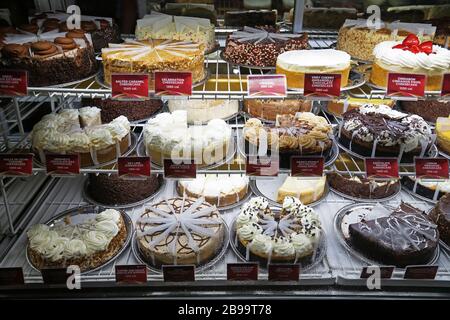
column 362, row 188
column 133, row 110
column 380, row 131
column 441, row 216
column 405, row 236
column 429, row 110
column 258, row 47
column 111, row 190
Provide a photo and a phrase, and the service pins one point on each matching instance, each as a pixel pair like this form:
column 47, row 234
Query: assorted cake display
column 180, row 231
column 290, row 234
column 88, row 244
column 81, row 131
column 268, row 109
column 202, row 111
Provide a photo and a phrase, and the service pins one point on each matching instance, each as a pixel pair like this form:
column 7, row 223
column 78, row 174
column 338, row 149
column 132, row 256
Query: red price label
column 242, row 271
column 179, row 169
column 11, row 276
column 307, row 166
column 429, row 168
column 173, row 83
column 421, row 272
column 179, row 273
column 62, row 164
column 385, row 272
column 284, row 272
column 322, row 85
column 129, row 86
column 266, row 85
column 445, row 92
column 55, row 275
column 13, row 83
column 134, row 167
column 261, row 166
column 382, row 168
column 16, row 164
column 135, row 274
column 405, row 85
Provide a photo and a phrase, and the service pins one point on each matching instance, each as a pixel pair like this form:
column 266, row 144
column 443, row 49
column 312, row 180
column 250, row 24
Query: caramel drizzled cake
column 180, row 231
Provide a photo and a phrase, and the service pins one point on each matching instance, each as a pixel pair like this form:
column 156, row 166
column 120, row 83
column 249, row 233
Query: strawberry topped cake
column 410, row 56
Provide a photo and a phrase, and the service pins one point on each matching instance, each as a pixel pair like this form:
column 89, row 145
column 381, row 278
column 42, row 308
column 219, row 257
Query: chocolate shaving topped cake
column 401, row 237
column 441, row 216
column 380, row 131
column 260, row 48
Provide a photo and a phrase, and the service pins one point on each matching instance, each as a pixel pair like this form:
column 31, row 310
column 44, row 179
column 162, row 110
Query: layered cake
column 325, row 18
column 260, row 48
column 443, row 134
column 110, row 190
column 88, row 245
column 359, row 40
column 53, row 58
column 133, row 110
column 251, row 18
column 294, row 64
column 410, row 56
column 268, row 109
column 81, row 131
column 430, row 110
column 339, row 106
column 441, row 216
column 401, row 237
column 148, row 56
column 162, row 26
column 361, row 187
column 180, row 231
column 380, row 131
column 307, row 190
column 432, row 190
column 201, row 111
column 290, row 234
column 219, row 190
column 302, row 134
column 168, row 135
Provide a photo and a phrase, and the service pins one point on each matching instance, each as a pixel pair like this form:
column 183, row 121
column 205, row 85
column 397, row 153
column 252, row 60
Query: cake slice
column 307, row 190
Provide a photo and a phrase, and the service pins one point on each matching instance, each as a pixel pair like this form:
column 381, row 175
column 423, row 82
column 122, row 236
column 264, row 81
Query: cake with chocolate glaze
column 429, row 110
column 441, row 216
column 269, row 109
column 380, row 131
column 260, row 48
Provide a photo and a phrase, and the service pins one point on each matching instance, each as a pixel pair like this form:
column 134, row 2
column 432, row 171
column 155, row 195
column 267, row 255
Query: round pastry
column 430, row 110
column 220, row 190
column 88, row 244
column 294, row 64
column 180, row 231
column 410, row 56
column 340, row 106
column 201, row 111
column 289, row 235
column 380, row 131
column 441, row 216
column 268, row 109
column 167, row 135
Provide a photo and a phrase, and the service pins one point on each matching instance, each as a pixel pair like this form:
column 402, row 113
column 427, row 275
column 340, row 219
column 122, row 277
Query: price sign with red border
column 445, row 92
column 11, row 276
column 179, row 273
column 179, row 169
column 62, row 164
column 131, row 274
column 13, row 83
column 307, row 166
column 256, row 166
column 129, row 86
column 262, row 86
column 431, row 168
column 421, row 272
column 134, row 167
column 242, row 271
column 284, row 272
column 385, row 272
column 322, row 85
column 16, row 164
column 406, row 85
column 173, row 83
column 382, row 168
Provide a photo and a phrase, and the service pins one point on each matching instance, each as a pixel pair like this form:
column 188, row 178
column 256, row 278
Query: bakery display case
column 90, row 183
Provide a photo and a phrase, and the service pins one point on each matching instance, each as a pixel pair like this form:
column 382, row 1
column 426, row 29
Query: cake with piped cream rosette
column 410, row 56
column 88, row 244
column 290, row 234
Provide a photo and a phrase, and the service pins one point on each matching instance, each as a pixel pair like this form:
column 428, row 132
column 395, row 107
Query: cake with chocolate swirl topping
column 51, row 59
column 290, row 234
column 377, row 130
column 180, row 231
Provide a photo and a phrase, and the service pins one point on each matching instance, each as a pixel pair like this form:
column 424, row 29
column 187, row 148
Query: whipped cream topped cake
column 168, row 135
column 289, row 235
column 260, row 48
column 180, row 231
column 220, row 190
column 88, row 244
column 410, row 56
column 380, row 131
column 81, row 131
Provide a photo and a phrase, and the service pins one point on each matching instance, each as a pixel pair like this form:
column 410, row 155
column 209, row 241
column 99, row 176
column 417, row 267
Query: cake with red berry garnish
column 410, row 56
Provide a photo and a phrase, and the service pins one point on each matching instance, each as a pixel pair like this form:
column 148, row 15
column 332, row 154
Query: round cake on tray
column 180, row 231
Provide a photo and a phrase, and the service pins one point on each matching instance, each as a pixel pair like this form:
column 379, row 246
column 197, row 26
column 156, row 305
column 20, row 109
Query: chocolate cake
column 441, row 216
column 133, row 110
column 430, row 110
column 106, row 34
column 432, row 190
column 405, row 237
column 112, row 190
column 251, row 18
column 362, row 188
column 258, row 47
